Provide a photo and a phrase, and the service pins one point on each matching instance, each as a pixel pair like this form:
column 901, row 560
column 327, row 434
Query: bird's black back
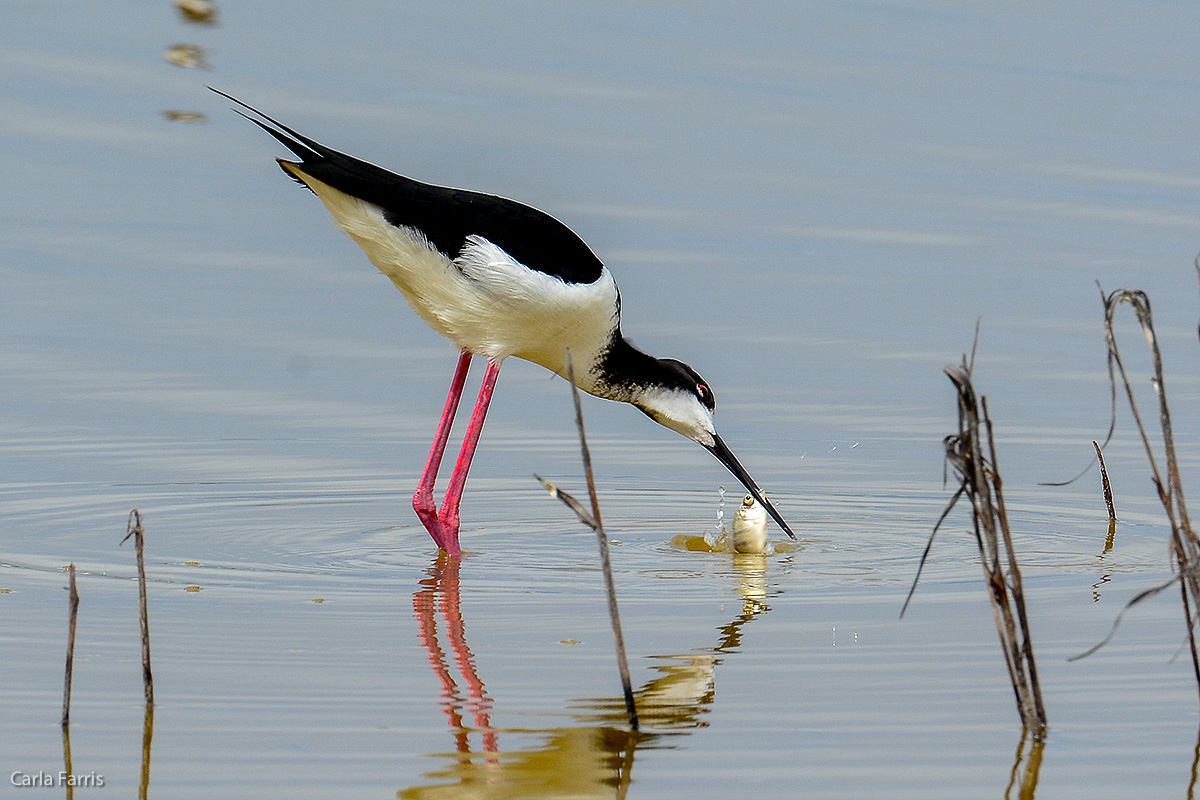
column 445, row 216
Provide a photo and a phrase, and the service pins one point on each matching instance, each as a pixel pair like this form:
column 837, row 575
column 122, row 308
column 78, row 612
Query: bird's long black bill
column 726, row 457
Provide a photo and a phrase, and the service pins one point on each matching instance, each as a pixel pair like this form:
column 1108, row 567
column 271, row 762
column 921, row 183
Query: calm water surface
column 811, row 203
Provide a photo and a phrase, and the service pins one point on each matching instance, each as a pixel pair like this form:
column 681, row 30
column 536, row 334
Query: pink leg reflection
column 442, row 590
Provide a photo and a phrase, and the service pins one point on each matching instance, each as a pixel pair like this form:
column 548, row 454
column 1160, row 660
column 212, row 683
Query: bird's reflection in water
column 440, row 593
column 593, row 755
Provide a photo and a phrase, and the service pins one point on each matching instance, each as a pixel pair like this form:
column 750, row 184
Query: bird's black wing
column 445, row 216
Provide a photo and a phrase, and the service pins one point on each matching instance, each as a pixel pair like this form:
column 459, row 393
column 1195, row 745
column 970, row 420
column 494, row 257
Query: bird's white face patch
column 681, row 412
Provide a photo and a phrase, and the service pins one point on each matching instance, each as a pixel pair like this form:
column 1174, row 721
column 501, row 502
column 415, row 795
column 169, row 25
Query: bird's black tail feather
column 347, row 173
column 304, row 147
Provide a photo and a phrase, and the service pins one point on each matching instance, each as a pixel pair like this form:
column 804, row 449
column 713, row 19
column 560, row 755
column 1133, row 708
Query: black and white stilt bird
column 499, row 279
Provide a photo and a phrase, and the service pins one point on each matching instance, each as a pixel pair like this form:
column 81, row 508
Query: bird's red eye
column 701, row 391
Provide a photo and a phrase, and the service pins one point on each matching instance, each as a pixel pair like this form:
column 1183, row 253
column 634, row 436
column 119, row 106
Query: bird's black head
column 679, row 376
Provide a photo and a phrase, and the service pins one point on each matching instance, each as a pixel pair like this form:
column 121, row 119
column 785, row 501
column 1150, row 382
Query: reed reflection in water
column 594, row 755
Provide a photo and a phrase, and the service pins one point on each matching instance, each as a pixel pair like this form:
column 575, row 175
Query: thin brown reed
column 593, row 521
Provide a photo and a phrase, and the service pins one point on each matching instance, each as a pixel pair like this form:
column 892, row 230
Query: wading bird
column 499, row 279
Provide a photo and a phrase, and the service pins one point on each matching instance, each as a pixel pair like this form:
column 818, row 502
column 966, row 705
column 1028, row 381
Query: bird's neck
column 623, row 372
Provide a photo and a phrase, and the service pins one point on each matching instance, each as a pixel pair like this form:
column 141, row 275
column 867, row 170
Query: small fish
column 750, row 527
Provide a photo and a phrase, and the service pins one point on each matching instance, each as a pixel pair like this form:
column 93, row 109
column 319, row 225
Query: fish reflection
column 197, row 12
column 188, row 56
column 594, row 755
column 175, row 115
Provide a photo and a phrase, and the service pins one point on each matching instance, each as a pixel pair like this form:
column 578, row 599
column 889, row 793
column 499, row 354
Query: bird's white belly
column 484, row 301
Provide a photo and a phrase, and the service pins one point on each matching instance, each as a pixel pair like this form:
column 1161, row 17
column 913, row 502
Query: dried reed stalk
column 70, row 669
column 73, row 604
column 979, row 480
column 136, row 531
column 1184, row 544
column 1108, row 500
column 594, row 522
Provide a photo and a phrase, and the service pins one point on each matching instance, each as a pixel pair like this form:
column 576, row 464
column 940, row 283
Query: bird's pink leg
column 423, row 502
column 448, row 516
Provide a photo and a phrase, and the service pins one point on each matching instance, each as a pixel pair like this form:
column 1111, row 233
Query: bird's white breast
column 484, row 300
